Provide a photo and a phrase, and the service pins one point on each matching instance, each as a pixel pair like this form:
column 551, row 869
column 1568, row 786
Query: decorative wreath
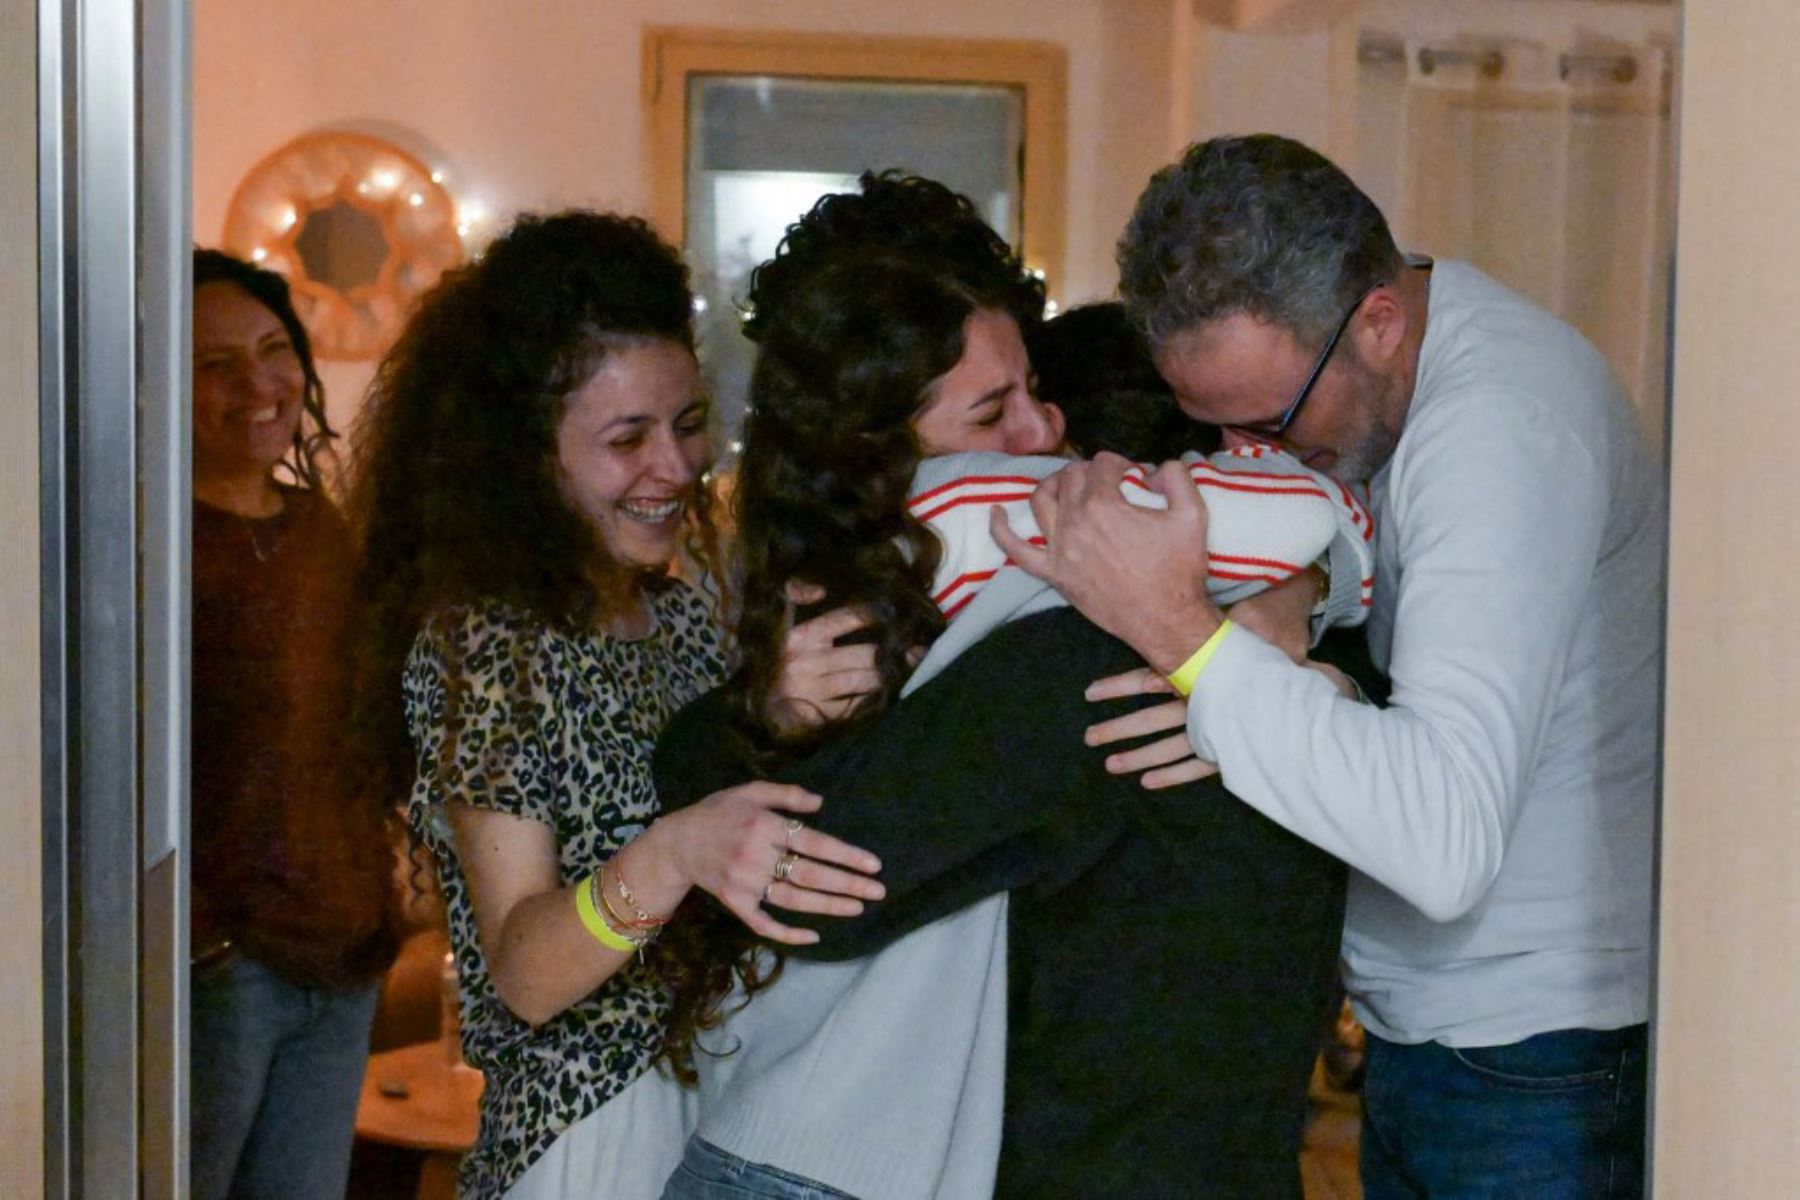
column 359, row 227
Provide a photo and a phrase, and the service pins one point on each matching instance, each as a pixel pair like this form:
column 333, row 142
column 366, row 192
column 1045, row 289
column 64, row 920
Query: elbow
column 1459, row 888
column 524, row 1002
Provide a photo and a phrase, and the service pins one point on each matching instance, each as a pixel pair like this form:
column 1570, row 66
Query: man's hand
column 1137, row 573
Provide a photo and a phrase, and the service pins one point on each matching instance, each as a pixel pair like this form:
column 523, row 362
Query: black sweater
column 1172, row 954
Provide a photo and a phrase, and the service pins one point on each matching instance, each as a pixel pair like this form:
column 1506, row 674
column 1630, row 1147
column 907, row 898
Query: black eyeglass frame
column 1279, row 426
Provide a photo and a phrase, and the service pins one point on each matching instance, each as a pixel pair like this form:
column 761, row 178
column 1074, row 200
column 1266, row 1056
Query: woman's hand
column 732, row 843
column 820, row 680
column 1167, row 761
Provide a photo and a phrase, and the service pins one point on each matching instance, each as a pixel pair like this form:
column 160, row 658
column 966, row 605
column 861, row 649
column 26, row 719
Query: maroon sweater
column 289, row 864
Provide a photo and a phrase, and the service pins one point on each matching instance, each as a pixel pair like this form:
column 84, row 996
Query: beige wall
column 1728, row 996
column 537, row 105
column 21, row 950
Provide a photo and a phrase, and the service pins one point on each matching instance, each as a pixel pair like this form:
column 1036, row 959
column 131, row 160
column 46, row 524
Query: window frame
column 1039, row 70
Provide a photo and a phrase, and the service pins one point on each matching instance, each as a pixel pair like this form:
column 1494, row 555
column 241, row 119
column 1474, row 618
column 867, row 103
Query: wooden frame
column 1038, row 69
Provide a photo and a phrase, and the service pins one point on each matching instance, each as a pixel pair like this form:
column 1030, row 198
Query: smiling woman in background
column 293, row 914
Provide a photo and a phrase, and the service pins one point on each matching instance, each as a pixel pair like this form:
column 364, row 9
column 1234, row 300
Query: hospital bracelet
column 1183, row 678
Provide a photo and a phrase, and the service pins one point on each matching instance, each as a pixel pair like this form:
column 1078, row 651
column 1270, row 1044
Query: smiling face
column 248, row 384
column 985, row 402
column 630, row 448
column 1237, row 370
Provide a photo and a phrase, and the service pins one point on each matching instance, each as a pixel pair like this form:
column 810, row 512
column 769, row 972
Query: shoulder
column 480, row 639
column 1493, row 361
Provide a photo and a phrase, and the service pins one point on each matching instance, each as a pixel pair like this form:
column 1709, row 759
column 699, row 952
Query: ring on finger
column 784, row 866
column 794, row 825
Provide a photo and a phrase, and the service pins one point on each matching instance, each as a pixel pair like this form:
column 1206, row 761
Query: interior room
column 360, row 151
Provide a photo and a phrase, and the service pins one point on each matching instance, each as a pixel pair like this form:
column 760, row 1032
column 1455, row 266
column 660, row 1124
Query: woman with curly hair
column 293, row 913
column 529, row 465
column 1075, row 986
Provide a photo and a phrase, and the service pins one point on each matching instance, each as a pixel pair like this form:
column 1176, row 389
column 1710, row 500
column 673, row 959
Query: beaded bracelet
column 643, row 918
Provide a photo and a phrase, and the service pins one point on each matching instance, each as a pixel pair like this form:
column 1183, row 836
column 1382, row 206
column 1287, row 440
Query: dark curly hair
column 455, row 499
column 829, row 454
column 906, row 217
column 314, row 435
column 1259, row 225
column 1093, row 363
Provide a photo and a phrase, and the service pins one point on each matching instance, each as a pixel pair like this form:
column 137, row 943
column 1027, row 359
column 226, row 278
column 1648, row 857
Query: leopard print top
column 508, row 714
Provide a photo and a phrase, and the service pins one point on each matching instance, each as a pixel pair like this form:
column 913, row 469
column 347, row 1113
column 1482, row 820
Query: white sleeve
column 1499, row 513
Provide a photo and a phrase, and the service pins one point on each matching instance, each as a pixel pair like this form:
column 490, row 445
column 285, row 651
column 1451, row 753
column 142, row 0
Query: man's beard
column 1374, row 397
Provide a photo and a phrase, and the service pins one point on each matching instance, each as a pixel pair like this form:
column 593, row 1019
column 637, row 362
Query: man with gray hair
column 1499, row 812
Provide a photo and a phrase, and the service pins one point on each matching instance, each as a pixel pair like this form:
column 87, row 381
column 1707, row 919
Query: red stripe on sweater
column 983, row 498
column 1249, row 561
column 970, row 480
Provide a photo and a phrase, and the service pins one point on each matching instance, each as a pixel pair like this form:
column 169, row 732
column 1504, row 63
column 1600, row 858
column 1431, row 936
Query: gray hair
column 1260, row 225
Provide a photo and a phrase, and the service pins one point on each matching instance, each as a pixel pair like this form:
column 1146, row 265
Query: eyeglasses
column 1277, row 427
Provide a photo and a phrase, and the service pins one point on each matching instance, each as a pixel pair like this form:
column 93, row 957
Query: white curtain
column 1547, row 167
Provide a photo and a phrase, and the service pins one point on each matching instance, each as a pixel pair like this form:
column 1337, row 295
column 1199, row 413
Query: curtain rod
column 1491, row 62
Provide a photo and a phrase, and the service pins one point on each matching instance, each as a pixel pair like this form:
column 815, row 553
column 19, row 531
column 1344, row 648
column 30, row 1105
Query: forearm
column 546, row 959
column 977, row 783
column 1421, row 807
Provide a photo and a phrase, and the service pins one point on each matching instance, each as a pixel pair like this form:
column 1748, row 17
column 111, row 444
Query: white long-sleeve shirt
column 1500, row 813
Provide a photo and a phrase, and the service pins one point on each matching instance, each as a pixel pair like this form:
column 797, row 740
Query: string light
column 258, row 254
column 699, row 305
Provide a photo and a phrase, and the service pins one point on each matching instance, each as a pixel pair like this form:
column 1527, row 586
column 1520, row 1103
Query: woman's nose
column 1032, row 428
column 671, row 462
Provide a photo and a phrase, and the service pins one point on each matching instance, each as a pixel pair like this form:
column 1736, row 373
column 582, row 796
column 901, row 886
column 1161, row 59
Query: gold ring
column 784, row 866
column 794, row 825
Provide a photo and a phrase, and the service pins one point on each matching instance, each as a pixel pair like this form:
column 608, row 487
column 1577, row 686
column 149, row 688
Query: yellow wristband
column 596, row 924
column 1182, row 678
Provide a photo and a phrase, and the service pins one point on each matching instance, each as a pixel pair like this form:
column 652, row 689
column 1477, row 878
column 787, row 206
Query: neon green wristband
column 596, row 924
column 1184, row 677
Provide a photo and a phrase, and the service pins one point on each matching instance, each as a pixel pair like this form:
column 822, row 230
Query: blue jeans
column 709, row 1173
column 276, row 1070
column 1559, row 1116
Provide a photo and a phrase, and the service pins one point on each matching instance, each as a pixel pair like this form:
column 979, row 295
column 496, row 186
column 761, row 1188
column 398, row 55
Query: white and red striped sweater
column 1268, row 518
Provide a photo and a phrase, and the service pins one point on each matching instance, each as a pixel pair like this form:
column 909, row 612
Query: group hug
column 989, row 780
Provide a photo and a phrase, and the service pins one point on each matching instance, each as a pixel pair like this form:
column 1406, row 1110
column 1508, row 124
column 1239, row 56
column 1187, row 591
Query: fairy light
column 288, row 216
column 1051, row 308
column 437, row 177
column 415, row 199
column 258, row 254
column 699, row 305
